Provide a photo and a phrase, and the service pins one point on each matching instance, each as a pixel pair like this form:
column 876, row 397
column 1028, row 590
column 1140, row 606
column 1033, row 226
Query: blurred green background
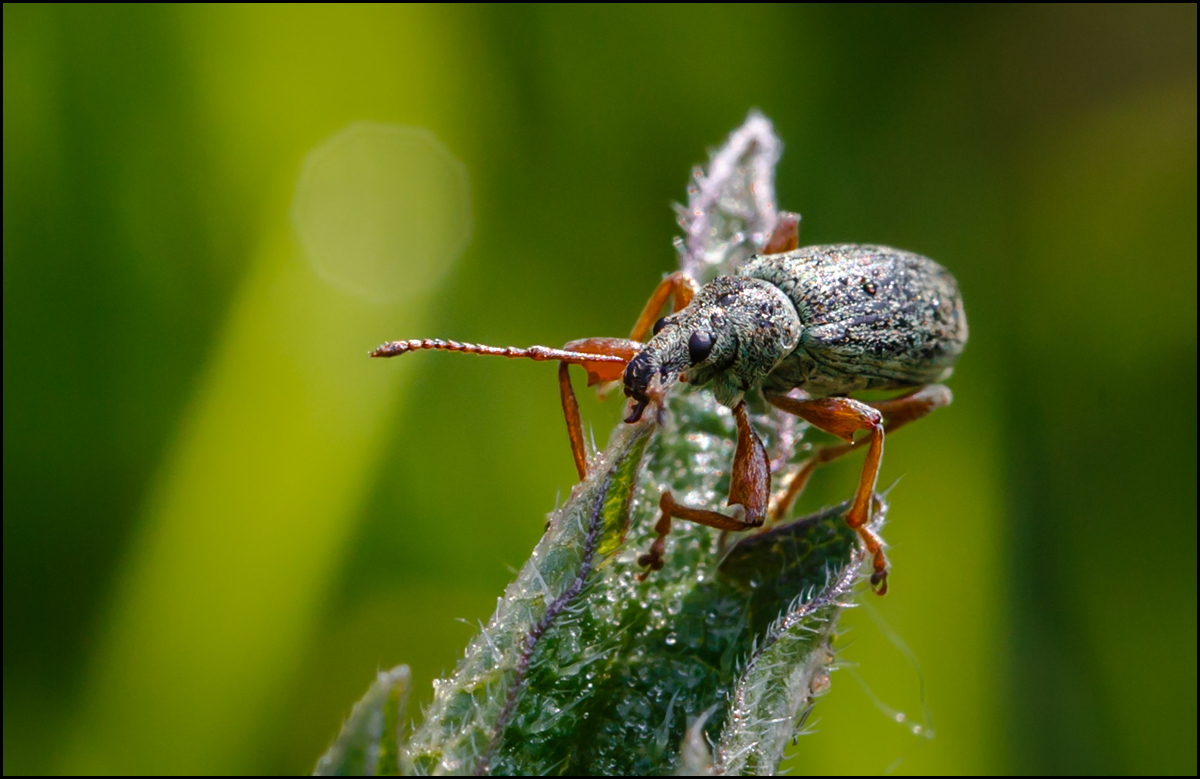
column 220, row 517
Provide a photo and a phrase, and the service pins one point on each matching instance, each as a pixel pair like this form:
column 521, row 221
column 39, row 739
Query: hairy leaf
column 370, row 740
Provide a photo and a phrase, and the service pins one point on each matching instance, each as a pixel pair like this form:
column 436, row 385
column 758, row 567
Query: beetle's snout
column 638, row 374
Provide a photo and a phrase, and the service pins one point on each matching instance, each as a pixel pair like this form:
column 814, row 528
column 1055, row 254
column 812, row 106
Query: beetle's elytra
column 825, row 320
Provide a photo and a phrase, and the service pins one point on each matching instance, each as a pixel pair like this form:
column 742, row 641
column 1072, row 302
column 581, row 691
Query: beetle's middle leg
column 749, row 491
column 897, row 412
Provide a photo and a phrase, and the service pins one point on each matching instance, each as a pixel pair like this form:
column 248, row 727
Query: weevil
column 825, row 321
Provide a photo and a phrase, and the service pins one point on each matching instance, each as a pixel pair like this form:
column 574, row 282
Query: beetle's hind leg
column 844, row 417
column 749, row 489
column 897, row 412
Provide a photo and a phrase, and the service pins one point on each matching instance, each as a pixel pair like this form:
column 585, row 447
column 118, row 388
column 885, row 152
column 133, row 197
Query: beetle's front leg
column 598, row 372
column 749, row 490
column 679, row 287
column 604, row 359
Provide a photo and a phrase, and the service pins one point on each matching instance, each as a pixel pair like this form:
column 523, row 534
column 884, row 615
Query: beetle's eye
column 700, row 346
column 659, row 325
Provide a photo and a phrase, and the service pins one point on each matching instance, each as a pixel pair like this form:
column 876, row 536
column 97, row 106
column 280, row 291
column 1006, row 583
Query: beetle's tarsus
column 651, row 563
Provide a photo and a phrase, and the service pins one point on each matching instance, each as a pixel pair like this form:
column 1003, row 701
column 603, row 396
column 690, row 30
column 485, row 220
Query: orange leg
column 843, row 417
column 749, row 490
column 604, row 359
column 897, row 412
column 786, row 235
column 574, row 420
column 678, row 286
column 598, row 372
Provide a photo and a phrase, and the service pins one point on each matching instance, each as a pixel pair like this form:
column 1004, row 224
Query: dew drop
column 671, row 639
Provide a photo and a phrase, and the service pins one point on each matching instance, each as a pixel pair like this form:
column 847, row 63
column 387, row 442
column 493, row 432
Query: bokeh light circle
column 382, row 210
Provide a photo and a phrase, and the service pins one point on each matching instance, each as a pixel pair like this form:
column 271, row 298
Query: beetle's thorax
column 733, row 333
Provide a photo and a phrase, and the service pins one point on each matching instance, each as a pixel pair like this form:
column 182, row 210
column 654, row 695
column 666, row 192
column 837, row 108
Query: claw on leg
column 653, row 559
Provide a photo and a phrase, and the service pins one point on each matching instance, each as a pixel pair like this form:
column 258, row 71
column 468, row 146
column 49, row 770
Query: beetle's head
column 733, row 333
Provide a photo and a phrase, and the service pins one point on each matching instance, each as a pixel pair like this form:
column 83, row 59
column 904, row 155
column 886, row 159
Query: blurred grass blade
column 695, row 756
column 258, row 499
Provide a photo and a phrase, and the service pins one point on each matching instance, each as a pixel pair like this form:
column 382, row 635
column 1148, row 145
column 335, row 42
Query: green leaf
column 465, row 728
column 789, row 666
column 370, row 739
column 585, row 670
